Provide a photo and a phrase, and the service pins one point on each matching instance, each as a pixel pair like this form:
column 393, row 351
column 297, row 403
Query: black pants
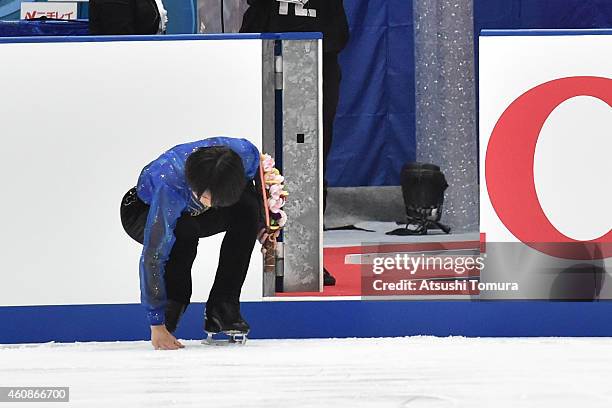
column 331, row 93
column 123, row 17
column 240, row 222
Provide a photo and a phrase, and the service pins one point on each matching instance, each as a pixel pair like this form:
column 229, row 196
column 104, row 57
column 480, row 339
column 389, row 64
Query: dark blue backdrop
column 374, row 133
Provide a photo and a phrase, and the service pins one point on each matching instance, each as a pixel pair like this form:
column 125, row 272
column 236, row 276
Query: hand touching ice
column 162, row 339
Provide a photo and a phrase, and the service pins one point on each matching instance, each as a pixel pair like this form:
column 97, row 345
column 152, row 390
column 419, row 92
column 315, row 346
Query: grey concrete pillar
column 446, row 103
column 296, row 74
column 302, row 165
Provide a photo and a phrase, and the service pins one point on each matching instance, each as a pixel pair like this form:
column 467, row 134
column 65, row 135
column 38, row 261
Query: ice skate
column 224, row 325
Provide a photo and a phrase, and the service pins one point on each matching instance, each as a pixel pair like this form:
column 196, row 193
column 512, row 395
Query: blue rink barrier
column 320, row 319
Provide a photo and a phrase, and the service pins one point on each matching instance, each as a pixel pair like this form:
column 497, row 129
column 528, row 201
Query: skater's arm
column 263, row 234
column 165, row 209
column 261, row 215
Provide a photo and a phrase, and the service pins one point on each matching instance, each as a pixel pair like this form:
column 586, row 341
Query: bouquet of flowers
column 274, row 194
column 274, row 198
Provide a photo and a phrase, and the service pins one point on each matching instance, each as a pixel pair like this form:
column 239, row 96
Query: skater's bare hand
column 162, row 339
column 264, row 236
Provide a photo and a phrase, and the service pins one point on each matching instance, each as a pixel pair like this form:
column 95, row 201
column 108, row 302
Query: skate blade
column 233, row 339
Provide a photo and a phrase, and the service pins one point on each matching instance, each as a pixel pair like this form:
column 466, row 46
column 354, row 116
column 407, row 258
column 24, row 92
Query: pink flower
column 267, row 162
column 275, row 205
column 275, row 191
column 277, row 196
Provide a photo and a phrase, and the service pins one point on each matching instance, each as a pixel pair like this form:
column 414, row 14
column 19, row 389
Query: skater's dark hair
column 219, row 170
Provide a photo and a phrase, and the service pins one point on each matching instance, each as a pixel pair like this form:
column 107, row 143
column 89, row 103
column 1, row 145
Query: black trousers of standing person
column 240, row 223
column 123, row 17
column 332, row 75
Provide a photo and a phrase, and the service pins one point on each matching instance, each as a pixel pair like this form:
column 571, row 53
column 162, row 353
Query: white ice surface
column 393, row 372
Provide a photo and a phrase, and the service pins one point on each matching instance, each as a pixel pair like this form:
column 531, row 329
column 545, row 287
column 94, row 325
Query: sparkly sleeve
column 165, row 209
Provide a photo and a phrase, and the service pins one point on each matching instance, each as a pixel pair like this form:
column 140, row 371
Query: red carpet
column 348, row 276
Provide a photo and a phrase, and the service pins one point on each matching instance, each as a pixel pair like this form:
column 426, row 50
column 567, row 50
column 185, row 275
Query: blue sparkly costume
column 162, row 185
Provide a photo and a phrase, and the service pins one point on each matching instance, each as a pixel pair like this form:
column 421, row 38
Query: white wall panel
column 78, row 121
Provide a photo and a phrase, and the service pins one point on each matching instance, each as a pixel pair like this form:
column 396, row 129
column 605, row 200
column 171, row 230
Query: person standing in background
column 127, row 17
column 216, row 16
column 326, row 16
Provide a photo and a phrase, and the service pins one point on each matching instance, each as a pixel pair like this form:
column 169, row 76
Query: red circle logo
column 509, row 168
